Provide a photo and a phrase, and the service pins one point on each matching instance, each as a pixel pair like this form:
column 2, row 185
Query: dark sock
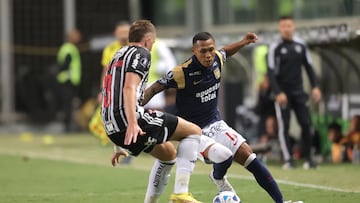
column 220, row 169
column 265, row 180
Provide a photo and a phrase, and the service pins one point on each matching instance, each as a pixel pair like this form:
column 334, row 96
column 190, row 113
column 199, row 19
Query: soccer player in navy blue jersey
column 197, row 81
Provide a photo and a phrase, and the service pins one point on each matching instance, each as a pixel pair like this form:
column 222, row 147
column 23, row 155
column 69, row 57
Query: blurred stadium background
column 32, row 31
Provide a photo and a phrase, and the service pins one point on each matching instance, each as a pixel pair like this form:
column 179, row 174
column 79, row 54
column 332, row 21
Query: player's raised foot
column 288, row 166
column 183, row 198
column 289, row 201
column 309, row 165
column 222, row 184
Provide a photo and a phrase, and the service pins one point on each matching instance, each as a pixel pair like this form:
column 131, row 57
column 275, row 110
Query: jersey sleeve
column 308, row 67
column 139, row 63
column 175, row 78
column 222, row 56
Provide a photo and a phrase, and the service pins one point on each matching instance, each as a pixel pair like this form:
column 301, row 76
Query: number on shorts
column 232, row 137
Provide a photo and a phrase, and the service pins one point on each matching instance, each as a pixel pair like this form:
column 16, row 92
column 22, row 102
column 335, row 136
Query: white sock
column 185, row 162
column 158, row 179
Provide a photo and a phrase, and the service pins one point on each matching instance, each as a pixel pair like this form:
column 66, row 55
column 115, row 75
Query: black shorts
column 158, row 126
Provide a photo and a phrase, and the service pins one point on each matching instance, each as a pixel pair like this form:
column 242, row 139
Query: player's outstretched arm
column 235, row 47
column 152, row 91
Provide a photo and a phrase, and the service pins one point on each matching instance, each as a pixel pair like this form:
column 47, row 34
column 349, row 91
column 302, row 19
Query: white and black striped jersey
column 285, row 60
column 127, row 59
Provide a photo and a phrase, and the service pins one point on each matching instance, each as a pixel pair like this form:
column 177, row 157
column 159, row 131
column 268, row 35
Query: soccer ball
column 226, row 197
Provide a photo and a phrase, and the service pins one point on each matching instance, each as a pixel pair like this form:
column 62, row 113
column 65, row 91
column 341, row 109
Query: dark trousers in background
column 298, row 104
column 67, row 95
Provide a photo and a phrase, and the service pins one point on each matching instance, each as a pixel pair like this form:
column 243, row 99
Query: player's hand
column 116, row 155
column 316, row 94
column 132, row 131
column 250, row 38
column 281, row 98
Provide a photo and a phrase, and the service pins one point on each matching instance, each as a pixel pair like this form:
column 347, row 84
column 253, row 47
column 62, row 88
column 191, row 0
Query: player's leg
column 189, row 136
column 303, row 117
column 208, row 148
column 221, row 158
column 67, row 101
column 165, row 155
column 244, row 155
column 283, row 120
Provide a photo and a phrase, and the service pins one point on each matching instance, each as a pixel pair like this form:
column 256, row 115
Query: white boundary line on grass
column 31, row 154
column 297, row 184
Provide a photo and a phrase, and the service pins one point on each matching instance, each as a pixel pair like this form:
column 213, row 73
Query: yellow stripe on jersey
column 220, row 57
column 179, row 76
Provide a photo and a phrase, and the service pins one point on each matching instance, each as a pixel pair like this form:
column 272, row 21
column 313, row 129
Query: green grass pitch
column 75, row 168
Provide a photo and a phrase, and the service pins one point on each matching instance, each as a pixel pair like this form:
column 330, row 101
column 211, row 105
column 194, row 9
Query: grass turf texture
column 77, row 169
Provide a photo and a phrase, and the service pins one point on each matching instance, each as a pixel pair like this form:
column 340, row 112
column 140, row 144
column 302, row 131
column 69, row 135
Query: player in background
column 131, row 127
column 121, row 34
column 286, row 57
column 69, row 77
column 162, row 59
column 197, row 82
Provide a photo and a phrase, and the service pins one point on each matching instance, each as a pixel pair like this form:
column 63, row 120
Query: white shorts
column 225, row 135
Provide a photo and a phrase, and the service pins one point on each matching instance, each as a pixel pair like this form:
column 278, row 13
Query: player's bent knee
column 243, row 153
column 164, row 152
column 246, row 148
column 218, row 153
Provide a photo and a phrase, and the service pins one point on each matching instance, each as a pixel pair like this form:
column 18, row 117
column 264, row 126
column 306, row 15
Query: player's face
column 286, row 29
column 204, row 51
column 75, row 36
column 122, row 34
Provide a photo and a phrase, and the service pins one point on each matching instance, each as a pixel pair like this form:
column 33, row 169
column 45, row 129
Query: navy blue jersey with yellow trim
column 197, row 89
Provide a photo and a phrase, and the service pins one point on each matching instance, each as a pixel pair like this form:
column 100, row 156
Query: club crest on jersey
column 298, row 49
column 217, row 73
